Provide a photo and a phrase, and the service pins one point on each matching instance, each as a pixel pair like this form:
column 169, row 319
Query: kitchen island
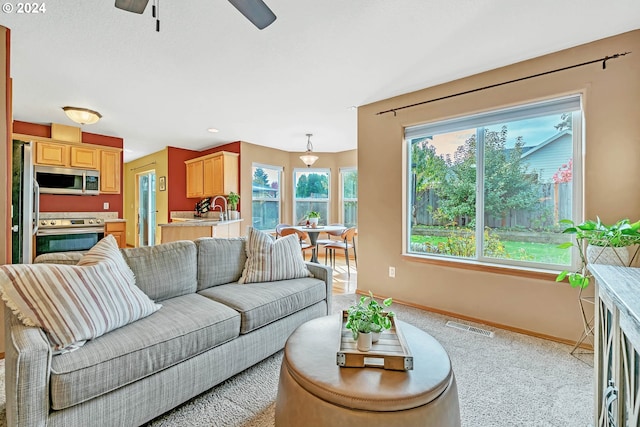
column 195, row 228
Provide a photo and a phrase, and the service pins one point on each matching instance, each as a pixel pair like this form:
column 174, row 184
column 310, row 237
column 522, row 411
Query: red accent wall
column 178, row 173
column 69, row 203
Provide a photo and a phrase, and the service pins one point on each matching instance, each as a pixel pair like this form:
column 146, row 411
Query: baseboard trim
column 585, row 346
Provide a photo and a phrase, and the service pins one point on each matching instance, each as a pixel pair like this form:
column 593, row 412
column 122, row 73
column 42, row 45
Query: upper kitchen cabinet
column 212, row 175
column 52, row 154
column 110, row 171
column 66, row 155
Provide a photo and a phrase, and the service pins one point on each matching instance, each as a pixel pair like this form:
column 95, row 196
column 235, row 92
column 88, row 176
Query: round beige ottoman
column 315, row 391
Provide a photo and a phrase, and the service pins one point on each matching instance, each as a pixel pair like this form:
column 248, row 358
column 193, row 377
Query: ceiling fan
column 255, row 11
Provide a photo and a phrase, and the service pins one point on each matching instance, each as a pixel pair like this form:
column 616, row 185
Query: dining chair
column 302, row 237
column 279, row 228
column 332, row 236
column 346, row 236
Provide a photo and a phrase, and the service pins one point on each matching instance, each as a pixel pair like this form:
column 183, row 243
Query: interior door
column 146, row 201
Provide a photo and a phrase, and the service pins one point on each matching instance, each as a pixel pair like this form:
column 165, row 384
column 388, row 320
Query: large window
column 311, row 193
column 349, row 184
column 492, row 187
column 265, row 196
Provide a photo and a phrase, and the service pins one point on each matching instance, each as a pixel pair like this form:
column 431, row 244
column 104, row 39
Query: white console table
column 617, row 346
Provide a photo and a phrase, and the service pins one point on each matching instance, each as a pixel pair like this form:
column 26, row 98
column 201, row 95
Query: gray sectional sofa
column 208, row 329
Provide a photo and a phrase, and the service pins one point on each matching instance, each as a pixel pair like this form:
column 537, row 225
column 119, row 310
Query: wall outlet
column 105, row 205
column 392, row 272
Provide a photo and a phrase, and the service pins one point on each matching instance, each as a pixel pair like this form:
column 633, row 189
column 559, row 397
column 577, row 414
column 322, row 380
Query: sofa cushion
column 186, row 326
column 164, row 271
column 269, row 259
column 262, row 303
column 220, row 261
column 73, row 304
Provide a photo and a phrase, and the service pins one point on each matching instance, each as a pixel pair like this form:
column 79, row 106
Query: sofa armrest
column 27, row 372
column 325, row 273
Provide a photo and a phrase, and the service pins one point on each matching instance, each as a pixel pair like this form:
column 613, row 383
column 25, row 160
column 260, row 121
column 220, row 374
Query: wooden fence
column 555, row 202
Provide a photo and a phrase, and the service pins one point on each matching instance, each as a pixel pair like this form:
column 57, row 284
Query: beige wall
column 612, row 164
column 158, row 162
column 250, row 153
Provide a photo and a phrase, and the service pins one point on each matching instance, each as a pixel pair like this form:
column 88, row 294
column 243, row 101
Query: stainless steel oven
column 68, row 234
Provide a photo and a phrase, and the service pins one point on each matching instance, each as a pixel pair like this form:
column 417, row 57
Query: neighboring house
column 549, row 156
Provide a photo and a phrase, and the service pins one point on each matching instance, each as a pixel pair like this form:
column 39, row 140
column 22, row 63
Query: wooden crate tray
column 390, row 352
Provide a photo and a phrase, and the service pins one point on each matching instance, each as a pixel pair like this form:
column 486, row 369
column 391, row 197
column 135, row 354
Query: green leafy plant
column 622, row 233
column 313, row 214
column 233, row 199
column 368, row 315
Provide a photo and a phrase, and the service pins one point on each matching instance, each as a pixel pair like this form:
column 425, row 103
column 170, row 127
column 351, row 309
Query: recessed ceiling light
column 213, row 130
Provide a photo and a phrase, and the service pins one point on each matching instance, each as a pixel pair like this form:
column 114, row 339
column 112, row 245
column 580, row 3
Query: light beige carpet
column 507, row 380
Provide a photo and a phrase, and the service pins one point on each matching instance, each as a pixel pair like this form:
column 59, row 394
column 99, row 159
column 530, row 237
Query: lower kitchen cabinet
column 119, row 230
column 617, row 344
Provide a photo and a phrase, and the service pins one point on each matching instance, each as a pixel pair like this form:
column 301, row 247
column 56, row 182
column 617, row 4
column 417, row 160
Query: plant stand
column 587, row 310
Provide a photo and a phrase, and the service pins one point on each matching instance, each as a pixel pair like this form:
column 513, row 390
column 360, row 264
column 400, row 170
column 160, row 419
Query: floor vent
column 468, row 328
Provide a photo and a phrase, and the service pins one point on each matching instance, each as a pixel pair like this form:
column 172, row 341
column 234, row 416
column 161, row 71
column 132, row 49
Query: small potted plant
column 368, row 317
column 313, row 217
column 233, row 199
column 599, row 243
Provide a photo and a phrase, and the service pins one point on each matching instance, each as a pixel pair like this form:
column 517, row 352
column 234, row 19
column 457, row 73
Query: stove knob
column 52, row 222
column 98, row 221
column 43, row 222
column 90, row 221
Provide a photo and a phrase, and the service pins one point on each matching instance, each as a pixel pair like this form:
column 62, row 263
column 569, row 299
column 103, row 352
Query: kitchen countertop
column 200, row 223
column 115, row 220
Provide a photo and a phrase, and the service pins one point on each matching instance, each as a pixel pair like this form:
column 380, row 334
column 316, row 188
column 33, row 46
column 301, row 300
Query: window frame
column 296, row 200
column 279, row 170
column 480, row 261
column 343, row 199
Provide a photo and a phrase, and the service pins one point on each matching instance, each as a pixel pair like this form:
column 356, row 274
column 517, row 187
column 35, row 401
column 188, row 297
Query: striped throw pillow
column 269, row 260
column 75, row 303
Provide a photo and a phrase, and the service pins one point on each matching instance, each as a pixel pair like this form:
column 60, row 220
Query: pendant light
column 308, row 158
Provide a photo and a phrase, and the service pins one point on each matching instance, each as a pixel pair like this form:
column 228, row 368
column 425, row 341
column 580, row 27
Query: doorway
column 146, row 207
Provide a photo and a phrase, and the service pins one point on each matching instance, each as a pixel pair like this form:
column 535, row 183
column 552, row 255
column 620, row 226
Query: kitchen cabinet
column 195, row 179
column 119, row 230
column 617, row 346
column 192, row 230
column 212, row 175
column 52, row 154
column 110, row 166
column 83, row 157
column 66, row 155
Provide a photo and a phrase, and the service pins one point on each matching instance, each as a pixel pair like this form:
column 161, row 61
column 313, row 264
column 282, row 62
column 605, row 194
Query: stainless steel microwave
column 54, row 180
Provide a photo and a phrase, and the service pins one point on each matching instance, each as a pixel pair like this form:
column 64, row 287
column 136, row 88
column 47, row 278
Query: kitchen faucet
column 224, row 213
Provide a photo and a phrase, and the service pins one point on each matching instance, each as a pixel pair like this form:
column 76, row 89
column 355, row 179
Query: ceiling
column 210, row 67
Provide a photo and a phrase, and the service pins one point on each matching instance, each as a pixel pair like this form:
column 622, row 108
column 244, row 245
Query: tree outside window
column 265, row 194
column 311, row 193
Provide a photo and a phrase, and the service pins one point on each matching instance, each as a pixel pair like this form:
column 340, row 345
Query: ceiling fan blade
column 255, row 11
column 135, row 6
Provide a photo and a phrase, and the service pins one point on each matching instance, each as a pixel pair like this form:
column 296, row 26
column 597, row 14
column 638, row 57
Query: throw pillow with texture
column 75, row 303
column 269, row 260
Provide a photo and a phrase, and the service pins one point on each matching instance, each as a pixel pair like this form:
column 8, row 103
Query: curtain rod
column 604, row 66
column 143, row 166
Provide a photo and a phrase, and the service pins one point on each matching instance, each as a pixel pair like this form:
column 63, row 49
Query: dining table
column 314, row 232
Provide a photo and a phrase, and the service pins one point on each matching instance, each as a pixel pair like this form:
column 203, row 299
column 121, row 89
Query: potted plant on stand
column 233, row 199
column 599, row 243
column 313, row 217
column 367, row 318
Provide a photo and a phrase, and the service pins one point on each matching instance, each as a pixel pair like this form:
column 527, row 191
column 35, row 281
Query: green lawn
column 536, row 252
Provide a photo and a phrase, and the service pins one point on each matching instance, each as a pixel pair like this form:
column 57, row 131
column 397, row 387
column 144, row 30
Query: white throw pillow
column 75, row 303
column 269, row 260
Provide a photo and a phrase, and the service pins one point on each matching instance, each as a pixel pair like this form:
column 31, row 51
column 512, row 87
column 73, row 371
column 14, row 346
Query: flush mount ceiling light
column 84, row 116
column 213, row 130
column 308, row 158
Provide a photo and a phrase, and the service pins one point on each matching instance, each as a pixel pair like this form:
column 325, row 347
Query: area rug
column 507, row 380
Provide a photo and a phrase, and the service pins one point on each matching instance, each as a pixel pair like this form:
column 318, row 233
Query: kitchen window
column 349, row 191
column 492, row 187
column 266, row 196
column 311, row 193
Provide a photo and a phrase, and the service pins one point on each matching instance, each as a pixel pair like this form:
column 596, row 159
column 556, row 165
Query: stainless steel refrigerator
column 25, row 197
